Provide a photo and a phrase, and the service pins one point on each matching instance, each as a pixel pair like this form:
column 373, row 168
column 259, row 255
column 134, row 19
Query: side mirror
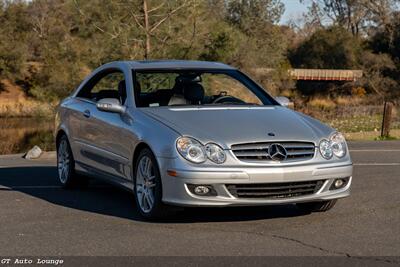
column 284, row 101
column 110, row 105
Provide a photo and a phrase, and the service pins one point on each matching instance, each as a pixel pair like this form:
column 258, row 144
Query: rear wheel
column 148, row 187
column 66, row 165
column 317, row 206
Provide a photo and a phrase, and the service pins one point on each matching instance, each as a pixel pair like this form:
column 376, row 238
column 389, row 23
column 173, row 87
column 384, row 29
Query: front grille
column 275, row 190
column 258, row 152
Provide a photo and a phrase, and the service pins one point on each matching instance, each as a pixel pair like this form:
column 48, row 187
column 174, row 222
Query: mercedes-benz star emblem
column 277, row 152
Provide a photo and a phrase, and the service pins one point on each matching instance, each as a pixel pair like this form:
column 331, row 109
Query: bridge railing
column 319, row 74
column 325, row 74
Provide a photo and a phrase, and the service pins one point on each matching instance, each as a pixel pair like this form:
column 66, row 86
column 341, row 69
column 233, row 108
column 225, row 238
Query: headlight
column 194, row 151
column 215, row 153
column 338, row 144
column 325, row 149
column 191, row 149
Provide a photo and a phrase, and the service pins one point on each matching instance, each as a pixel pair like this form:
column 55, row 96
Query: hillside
column 15, row 103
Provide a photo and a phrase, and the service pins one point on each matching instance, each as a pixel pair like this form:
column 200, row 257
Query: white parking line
column 25, row 166
column 2, row 187
column 30, row 187
column 377, row 164
column 374, row 150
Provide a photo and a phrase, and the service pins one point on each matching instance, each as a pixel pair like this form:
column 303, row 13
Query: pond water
column 18, row 135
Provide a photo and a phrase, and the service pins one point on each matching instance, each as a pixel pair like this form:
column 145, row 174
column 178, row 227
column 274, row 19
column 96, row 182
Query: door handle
column 86, row 113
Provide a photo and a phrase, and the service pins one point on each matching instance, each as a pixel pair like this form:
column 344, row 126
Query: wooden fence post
column 387, row 119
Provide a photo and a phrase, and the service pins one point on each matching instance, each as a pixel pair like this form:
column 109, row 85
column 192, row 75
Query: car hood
column 233, row 125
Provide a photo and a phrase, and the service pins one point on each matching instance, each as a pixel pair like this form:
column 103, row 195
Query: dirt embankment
column 15, row 103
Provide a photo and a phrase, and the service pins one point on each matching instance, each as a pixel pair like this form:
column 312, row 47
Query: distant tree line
column 48, row 46
column 351, row 34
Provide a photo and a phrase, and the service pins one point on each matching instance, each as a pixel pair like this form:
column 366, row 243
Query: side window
column 111, row 85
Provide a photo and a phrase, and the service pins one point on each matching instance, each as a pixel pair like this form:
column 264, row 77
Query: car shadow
column 41, row 182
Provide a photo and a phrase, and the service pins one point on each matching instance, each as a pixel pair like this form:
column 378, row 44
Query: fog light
column 339, row 183
column 202, row 190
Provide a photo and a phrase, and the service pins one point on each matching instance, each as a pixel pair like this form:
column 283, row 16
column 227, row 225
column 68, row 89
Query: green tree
column 387, row 39
column 248, row 14
column 261, row 43
column 14, row 50
column 51, row 45
column 332, row 48
column 376, row 78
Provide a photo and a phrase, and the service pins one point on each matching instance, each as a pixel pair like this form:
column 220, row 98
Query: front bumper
column 176, row 192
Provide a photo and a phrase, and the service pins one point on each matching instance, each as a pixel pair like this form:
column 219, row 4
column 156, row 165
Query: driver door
column 104, row 137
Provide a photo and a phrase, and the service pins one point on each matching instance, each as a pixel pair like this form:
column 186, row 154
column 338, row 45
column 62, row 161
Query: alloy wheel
column 63, row 161
column 145, row 184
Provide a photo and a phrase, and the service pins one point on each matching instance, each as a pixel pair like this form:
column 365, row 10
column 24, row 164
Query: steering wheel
column 227, row 99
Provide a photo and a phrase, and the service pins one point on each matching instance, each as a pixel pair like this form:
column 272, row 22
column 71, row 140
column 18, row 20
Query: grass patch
column 356, row 123
column 15, row 103
column 324, row 104
column 26, row 108
column 371, row 136
column 385, row 138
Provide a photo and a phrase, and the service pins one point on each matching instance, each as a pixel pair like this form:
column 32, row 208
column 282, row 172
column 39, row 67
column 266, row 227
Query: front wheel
column 320, row 206
column 148, row 187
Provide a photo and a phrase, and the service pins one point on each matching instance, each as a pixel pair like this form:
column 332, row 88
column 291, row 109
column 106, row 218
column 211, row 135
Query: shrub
column 325, row 104
column 358, row 91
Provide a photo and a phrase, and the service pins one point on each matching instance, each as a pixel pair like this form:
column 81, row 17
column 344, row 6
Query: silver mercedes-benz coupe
column 193, row 133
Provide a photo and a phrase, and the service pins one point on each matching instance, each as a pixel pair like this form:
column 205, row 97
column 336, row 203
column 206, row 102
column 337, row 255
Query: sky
column 293, row 10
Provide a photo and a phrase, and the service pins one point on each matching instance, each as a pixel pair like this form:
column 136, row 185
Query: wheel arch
column 59, row 134
column 139, row 147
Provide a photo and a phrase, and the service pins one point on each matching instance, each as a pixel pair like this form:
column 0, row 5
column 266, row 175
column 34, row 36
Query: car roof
column 176, row 64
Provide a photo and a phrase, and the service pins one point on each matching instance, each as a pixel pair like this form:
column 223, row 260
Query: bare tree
column 356, row 15
column 309, row 22
column 143, row 17
column 152, row 20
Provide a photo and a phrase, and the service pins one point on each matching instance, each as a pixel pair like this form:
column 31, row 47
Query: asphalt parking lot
column 37, row 217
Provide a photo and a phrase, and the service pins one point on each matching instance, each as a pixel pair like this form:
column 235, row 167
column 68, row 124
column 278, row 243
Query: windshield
column 194, row 87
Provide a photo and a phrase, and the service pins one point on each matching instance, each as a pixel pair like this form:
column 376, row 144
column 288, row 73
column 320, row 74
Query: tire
column 321, row 206
column 148, row 187
column 66, row 166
